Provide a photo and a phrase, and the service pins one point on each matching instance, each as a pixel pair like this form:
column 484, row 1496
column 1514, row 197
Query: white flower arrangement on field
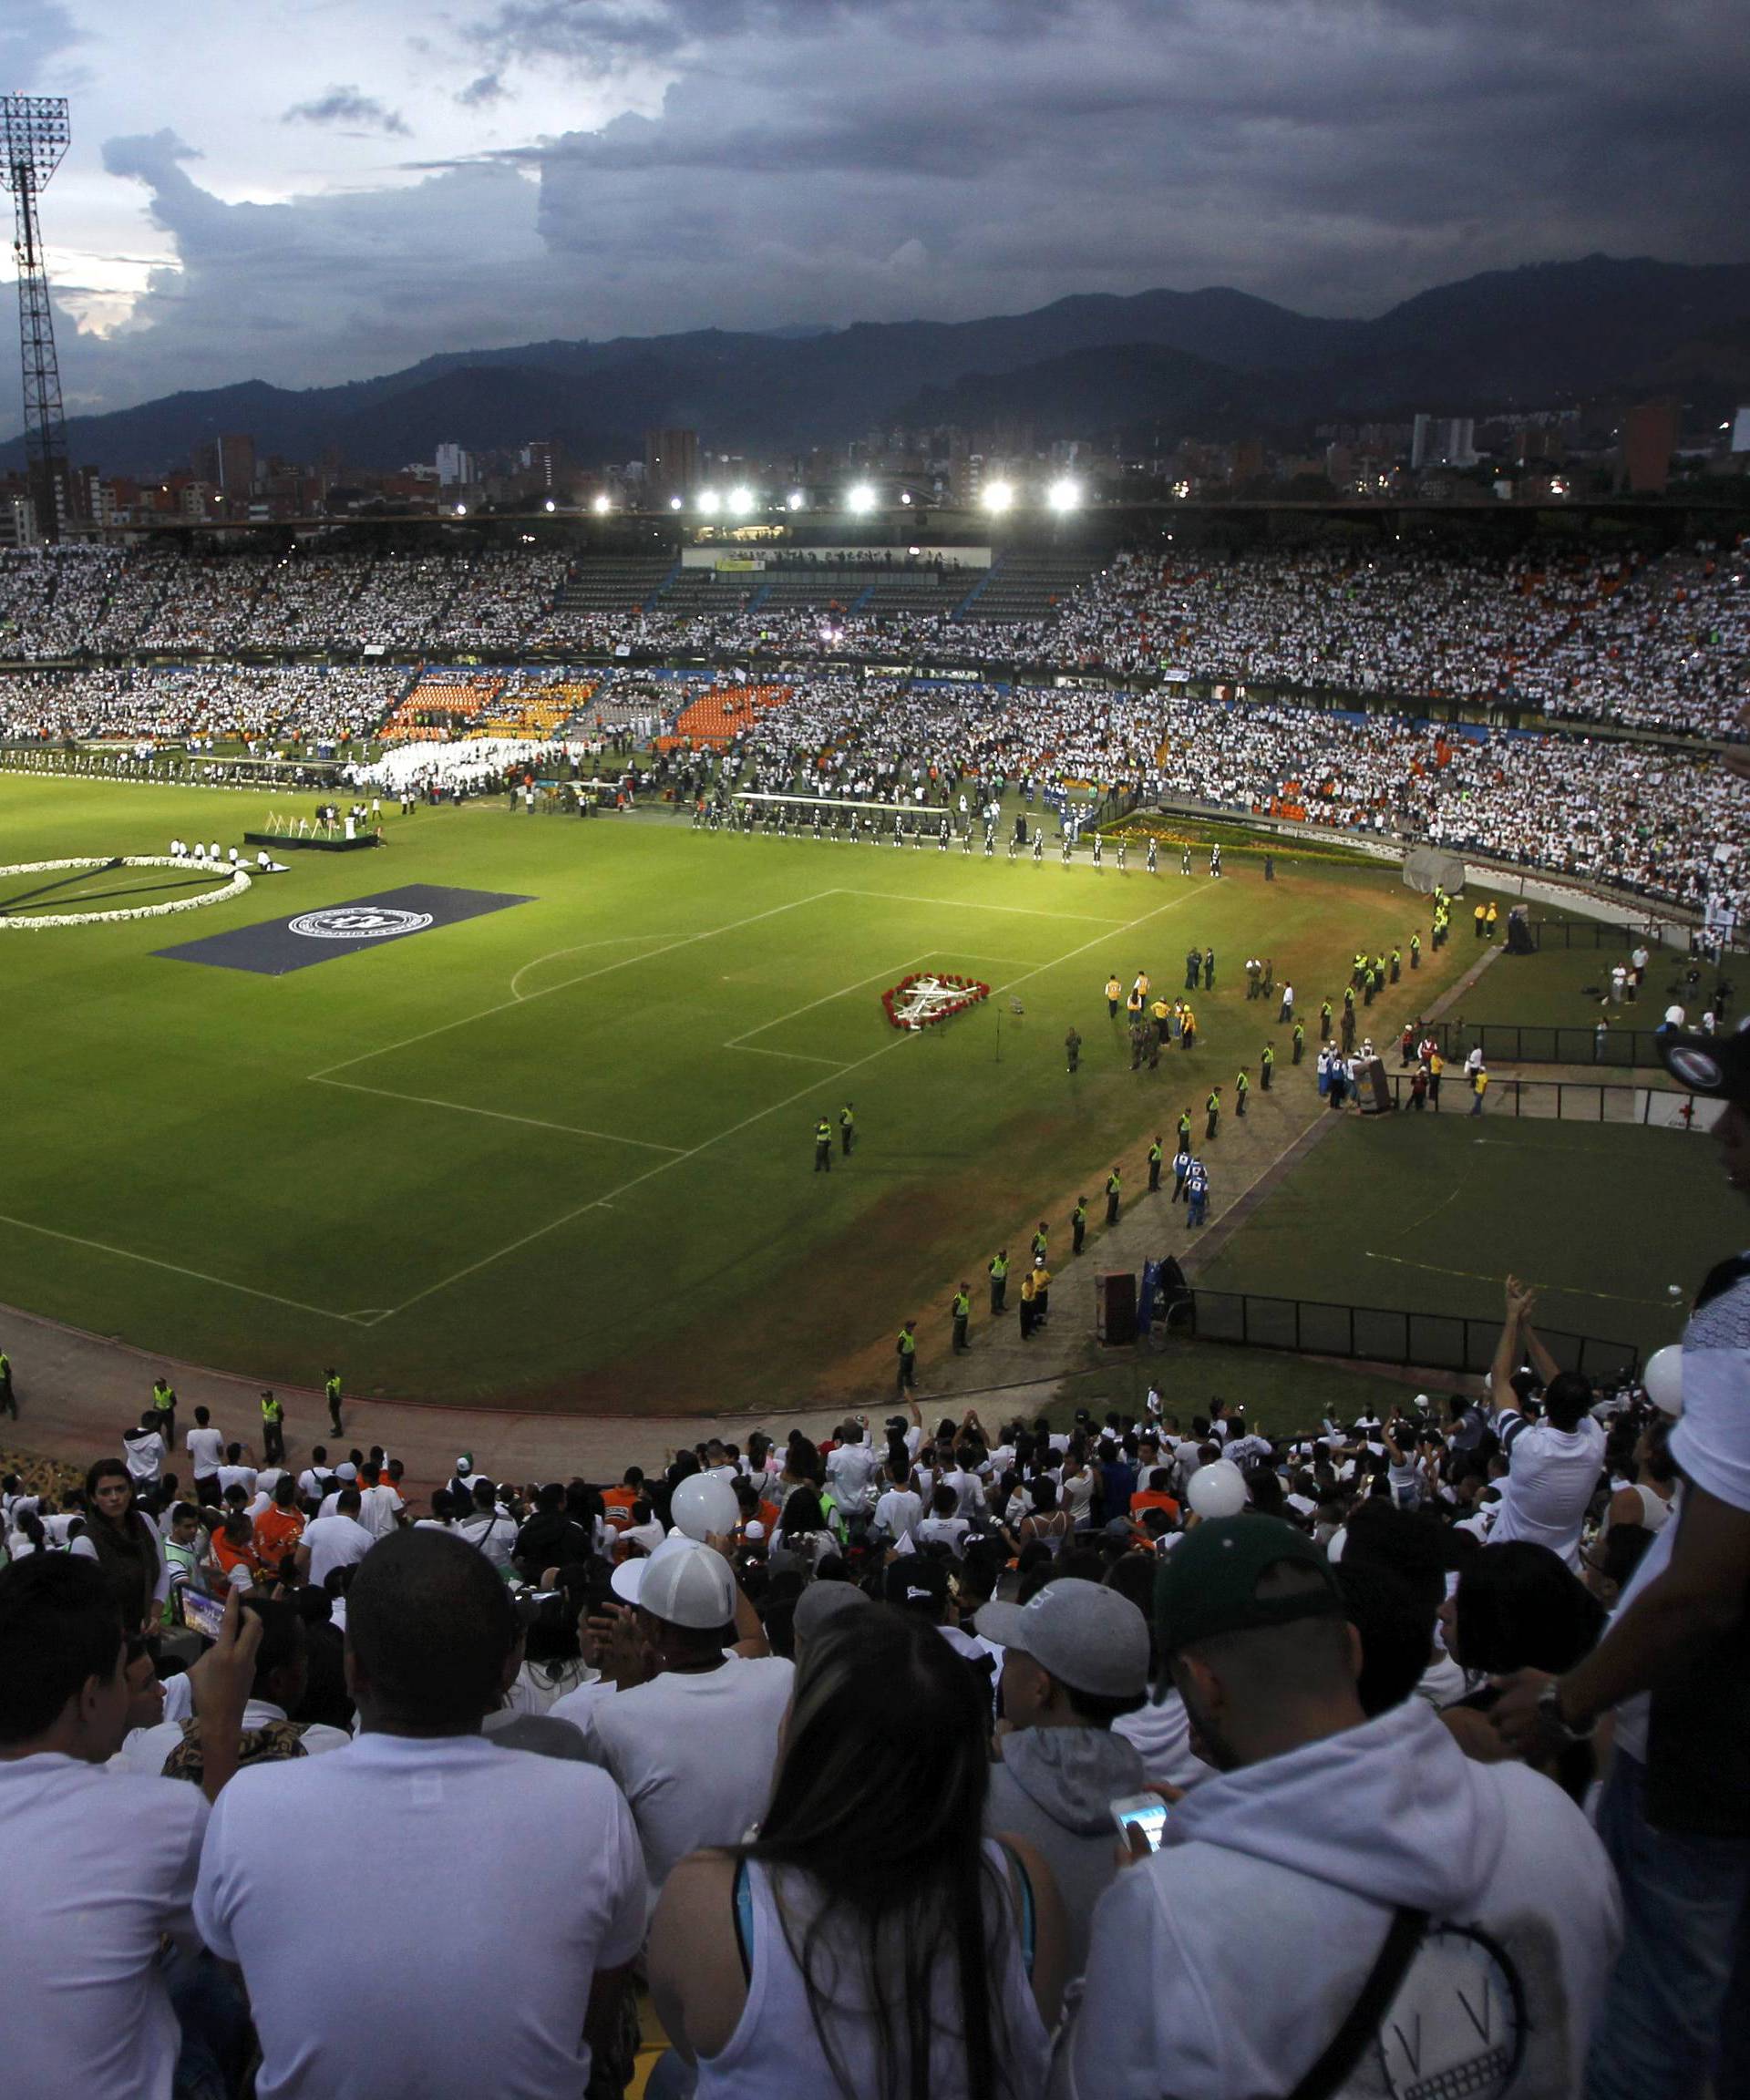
column 238, row 883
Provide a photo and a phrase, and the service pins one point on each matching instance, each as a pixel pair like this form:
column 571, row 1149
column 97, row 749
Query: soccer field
column 1428, row 1213
column 558, row 1155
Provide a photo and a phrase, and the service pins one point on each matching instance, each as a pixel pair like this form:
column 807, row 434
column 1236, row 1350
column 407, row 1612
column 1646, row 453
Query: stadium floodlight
column 795, row 500
column 710, row 503
column 1064, row 494
column 602, row 506
column 34, row 136
column 859, row 499
column 741, row 502
column 998, row 496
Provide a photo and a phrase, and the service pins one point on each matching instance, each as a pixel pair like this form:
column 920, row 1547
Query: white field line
column 891, row 975
column 789, row 1101
column 176, row 1269
column 585, row 948
column 969, row 904
column 607, row 970
column 497, row 1114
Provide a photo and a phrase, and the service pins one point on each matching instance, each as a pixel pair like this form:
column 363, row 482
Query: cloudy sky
column 311, row 190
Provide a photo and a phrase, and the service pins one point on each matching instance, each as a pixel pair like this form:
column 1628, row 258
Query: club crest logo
column 357, row 923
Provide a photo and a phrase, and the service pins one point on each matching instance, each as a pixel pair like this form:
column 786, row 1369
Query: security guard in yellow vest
column 962, row 1313
column 1078, row 1225
column 272, row 1429
column 1157, row 1153
column 999, row 1279
column 1114, row 1189
column 823, row 1147
column 906, row 1350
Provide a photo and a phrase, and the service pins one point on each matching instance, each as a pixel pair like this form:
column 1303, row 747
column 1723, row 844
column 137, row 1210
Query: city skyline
column 372, row 185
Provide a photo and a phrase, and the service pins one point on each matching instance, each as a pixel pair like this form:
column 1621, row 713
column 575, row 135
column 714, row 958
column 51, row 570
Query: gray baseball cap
column 821, row 1604
column 1088, row 1637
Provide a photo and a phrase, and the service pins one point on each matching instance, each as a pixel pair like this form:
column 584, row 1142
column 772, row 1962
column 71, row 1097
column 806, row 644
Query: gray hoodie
column 1054, row 1789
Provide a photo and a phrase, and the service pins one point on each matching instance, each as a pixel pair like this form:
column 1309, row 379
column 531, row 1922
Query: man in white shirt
column 331, row 1542
column 379, row 1506
column 100, row 1868
column 1553, row 1466
column 206, row 1449
column 488, row 1527
column 900, row 1510
column 282, row 1672
column 852, row 1471
column 693, row 1747
column 142, row 1449
column 516, row 1894
column 234, row 1473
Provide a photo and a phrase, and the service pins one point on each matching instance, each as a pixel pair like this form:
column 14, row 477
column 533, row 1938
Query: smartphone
column 1144, row 1812
column 203, row 1615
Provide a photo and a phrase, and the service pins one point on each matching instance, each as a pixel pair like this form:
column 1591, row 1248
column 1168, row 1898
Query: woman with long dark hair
column 870, row 1942
column 123, row 1543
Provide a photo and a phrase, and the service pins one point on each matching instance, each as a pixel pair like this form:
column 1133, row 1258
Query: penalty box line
column 735, row 1129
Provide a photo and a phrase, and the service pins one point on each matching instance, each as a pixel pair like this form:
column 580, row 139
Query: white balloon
column 1663, row 1378
column 1217, row 1489
column 702, row 1504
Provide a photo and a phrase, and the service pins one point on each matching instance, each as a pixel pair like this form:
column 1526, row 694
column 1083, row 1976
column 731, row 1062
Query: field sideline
column 559, row 1155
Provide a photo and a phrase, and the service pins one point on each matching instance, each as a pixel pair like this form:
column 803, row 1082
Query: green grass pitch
column 561, row 1157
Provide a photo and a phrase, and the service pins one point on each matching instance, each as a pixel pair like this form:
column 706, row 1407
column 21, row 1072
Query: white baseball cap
column 682, row 1582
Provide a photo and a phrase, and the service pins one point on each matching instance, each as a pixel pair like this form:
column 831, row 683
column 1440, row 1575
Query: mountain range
column 1215, row 363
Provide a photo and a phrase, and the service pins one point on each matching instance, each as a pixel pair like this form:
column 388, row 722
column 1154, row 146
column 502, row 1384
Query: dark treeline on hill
column 1198, row 363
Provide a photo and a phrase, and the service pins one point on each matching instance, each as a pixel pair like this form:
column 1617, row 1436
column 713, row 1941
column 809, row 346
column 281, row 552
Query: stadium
column 932, row 1271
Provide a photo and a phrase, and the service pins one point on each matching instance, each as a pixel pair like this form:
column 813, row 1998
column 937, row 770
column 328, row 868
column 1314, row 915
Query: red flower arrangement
column 967, row 991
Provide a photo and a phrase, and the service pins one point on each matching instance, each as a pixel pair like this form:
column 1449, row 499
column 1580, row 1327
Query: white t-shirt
column 851, row 1471
column 144, row 1455
column 693, row 1752
column 492, row 1532
column 515, row 1880
column 333, row 1542
column 206, row 1449
column 898, row 1512
column 232, row 1476
column 377, row 1509
column 99, row 1867
column 949, row 1531
column 1551, row 1476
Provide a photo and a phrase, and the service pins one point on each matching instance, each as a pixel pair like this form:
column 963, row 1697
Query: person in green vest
column 164, row 1408
column 999, row 1279
column 1324, row 1022
column 1300, row 1040
column 1266, row 1067
column 906, row 1350
column 1212, row 1115
column 847, row 1129
column 1241, row 1089
column 8, row 1398
column 1157, row 1153
column 1397, row 964
column 962, row 1313
column 1078, row 1225
column 823, row 1147
column 1415, row 951
column 1369, row 986
column 331, row 1389
column 273, row 1429
column 1040, row 1242
column 1114, row 1189
column 1184, row 1130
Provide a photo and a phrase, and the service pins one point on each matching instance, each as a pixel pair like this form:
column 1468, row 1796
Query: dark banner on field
column 277, row 946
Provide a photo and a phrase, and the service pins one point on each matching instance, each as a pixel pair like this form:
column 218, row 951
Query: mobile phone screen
column 1144, row 1812
column 203, row 1615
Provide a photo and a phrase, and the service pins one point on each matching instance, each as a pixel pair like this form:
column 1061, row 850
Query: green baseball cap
column 1208, row 1585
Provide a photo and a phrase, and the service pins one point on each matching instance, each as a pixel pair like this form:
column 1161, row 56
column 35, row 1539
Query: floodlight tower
column 32, row 139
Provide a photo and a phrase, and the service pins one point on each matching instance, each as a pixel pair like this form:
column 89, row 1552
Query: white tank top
column 775, row 2050
column 1656, row 1509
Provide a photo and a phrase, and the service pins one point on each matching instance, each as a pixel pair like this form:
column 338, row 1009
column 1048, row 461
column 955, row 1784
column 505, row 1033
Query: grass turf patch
column 562, row 1155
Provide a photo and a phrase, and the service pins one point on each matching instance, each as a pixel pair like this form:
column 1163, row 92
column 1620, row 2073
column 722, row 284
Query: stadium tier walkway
column 78, row 1391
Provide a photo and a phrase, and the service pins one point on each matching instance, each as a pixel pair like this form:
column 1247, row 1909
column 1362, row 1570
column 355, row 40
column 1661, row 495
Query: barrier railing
column 1377, row 1334
column 1561, row 1100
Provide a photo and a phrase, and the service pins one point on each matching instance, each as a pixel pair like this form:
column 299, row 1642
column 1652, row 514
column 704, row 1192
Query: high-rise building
column 671, row 462
column 1649, row 439
column 1443, row 441
column 455, row 466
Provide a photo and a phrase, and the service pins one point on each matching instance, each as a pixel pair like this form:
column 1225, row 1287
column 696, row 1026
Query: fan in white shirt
column 204, row 1446
column 517, row 1889
column 83, row 2005
column 331, row 1542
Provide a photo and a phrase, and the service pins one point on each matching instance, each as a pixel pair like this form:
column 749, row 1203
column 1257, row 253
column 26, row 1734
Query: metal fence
column 1587, row 932
column 1517, row 1043
column 1377, row 1334
column 1563, row 1101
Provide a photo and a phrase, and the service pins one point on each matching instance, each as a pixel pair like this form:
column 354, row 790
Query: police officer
column 1208, row 962
column 1397, row 964
column 847, row 1129
column 1113, row 1188
column 1266, row 1067
column 1184, row 1130
column 1157, row 1153
column 164, row 1409
column 1078, row 1225
column 1038, row 1248
column 962, row 1313
column 1241, row 1089
column 999, row 1272
column 273, row 1429
column 1212, row 1115
column 331, row 1392
column 1324, row 1022
column 8, row 1398
column 823, row 1147
column 906, row 1350
column 1415, row 951
column 1300, row 1041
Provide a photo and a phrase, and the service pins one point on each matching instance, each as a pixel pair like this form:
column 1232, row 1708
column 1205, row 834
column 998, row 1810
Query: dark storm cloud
column 347, row 108
column 843, row 159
